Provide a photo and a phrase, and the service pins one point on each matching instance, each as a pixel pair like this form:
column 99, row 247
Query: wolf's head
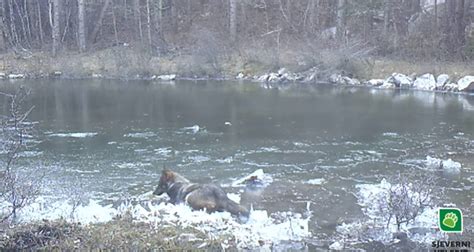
column 167, row 178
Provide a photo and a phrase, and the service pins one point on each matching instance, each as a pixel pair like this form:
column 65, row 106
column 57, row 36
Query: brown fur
column 198, row 196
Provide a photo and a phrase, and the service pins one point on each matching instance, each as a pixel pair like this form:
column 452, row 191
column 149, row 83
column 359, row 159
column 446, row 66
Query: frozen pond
column 107, row 141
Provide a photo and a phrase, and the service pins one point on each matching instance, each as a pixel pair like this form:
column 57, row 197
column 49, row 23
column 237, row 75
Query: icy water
column 106, row 141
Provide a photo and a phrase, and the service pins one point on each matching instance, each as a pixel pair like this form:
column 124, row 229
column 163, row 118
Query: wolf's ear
column 167, row 173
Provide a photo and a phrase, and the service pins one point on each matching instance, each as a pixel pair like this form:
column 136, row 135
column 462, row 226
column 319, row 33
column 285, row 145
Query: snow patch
column 262, row 230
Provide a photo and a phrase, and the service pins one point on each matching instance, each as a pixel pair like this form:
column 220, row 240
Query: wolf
column 210, row 197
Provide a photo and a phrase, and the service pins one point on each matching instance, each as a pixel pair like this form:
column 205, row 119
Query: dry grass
column 119, row 234
column 385, row 67
column 251, row 59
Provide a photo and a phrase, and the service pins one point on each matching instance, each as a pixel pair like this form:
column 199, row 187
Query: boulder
column 453, row 87
column 336, row 246
column 291, row 76
column 3, row 75
column 401, row 80
column 282, row 71
column 309, row 77
column 466, row 83
column 166, row 77
column 96, row 75
column 263, row 78
column 335, row 78
column 441, row 80
column 16, row 76
column 425, row 82
column 388, row 84
column 350, row 81
column 375, row 82
column 273, row 77
column 240, row 76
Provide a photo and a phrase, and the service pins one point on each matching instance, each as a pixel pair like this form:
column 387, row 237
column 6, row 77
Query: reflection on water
column 112, row 138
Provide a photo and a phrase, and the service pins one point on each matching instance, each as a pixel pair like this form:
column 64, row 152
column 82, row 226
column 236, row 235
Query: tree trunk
column 436, row 15
column 98, row 24
column 3, row 31
column 138, row 17
column 386, row 17
column 148, row 23
column 40, row 23
column 313, row 13
column 114, row 20
column 81, row 25
column 233, row 19
column 340, row 22
column 55, row 26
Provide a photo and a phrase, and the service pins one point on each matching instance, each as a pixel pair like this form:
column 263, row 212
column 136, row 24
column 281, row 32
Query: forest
column 420, row 29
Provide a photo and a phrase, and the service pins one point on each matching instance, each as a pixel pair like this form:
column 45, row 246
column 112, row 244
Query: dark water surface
column 216, row 131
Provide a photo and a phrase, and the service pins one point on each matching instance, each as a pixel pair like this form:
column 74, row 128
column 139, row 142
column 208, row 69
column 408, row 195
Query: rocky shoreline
column 424, row 82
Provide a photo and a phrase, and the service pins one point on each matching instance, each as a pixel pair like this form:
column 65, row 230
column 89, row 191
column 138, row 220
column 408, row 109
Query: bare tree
column 55, row 24
column 148, row 23
column 406, row 200
column 340, row 19
column 233, row 19
column 138, row 17
column 98, row 24
column 81, row 24
column 17, row 189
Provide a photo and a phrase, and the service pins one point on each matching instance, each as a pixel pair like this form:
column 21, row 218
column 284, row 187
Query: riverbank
column 121, row 233
column 126, row 62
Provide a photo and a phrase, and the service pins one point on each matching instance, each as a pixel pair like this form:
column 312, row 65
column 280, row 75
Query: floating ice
column 317, row 181
column 257, row 176
column 447, row 165
column 226, row 160
column 147, row 134
column 74, row 135
column 194, row 129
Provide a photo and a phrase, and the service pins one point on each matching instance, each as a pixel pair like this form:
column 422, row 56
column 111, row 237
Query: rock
column 335, row 78
column 310, row 77
column 57, row 73
column 16, row 76
column 263, row 78
column 375, row 82
column 166, row 77
column 466, row 83
column 96, row 75
column 3, row 75
column 273, row 77
column 350, row 81
column 401, row 80
column 289, row 76
column 282, row 71
column 336, row 246
column 388, row 85
column 441, row 80
column 425, row 82
column 240, row 76
column 453, row 87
